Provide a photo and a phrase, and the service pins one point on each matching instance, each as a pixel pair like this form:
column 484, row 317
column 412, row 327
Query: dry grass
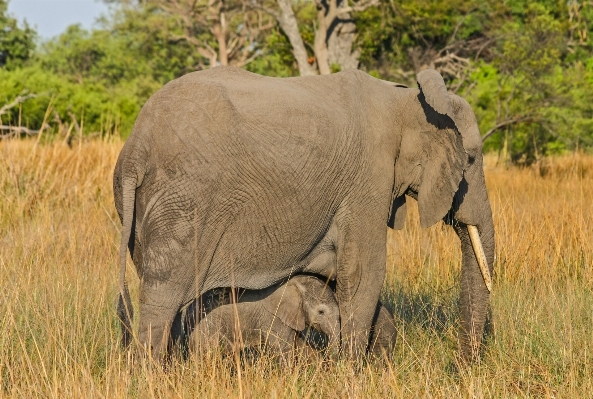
column 58, row 267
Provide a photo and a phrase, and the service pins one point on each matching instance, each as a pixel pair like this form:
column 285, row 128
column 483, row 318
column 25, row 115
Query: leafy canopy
column 526, row 67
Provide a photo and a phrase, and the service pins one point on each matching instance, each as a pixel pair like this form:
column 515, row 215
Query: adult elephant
column 235, row 179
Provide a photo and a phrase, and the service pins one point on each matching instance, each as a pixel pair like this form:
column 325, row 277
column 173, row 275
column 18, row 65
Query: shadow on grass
column 433, row 312
column 427, row 310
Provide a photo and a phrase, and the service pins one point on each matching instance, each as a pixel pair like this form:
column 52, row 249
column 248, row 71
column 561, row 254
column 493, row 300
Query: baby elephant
column 270, row 318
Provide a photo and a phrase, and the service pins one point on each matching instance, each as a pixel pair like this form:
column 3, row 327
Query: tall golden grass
column 59, row 235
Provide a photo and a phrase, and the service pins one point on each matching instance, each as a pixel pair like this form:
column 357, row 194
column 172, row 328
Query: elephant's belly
column 323, row 258
column 323, row 264
column 260, row 263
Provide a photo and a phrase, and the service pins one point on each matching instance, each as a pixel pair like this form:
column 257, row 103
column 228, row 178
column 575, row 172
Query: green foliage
column 16, row 43
column 306, row 14
column 526, row 66
column 534, row 81
column 158, row 36
column 393, row 37
column 532, row 47
column 276, row 59
column 102, row 56
column 103, row 76
column 103, row 109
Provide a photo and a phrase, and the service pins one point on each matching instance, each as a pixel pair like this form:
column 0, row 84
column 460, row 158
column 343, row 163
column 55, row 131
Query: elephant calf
column 271, row 317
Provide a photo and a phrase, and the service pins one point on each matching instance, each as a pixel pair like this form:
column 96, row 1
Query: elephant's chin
column 474, row 237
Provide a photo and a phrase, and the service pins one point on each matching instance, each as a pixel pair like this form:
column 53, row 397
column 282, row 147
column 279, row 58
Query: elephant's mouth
column 474, row 237
column 476, row 242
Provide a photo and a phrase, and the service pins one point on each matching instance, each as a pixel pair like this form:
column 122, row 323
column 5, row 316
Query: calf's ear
column 287, row 305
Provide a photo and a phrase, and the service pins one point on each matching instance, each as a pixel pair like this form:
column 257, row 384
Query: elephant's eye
column 321, row 311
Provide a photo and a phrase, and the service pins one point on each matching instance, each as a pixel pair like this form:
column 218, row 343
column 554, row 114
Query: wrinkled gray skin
column 271, row 317
column 383, row 333
column 235, row 179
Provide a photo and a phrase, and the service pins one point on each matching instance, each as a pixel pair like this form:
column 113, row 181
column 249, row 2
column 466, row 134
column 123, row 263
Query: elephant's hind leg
column 159, row 304
column 166, row 276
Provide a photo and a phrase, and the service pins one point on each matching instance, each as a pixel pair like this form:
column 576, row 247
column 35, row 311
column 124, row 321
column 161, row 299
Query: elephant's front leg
column 360, row 274
column 280, row 342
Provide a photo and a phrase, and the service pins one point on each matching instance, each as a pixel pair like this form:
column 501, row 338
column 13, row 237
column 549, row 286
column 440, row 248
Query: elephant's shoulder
column 356, row 77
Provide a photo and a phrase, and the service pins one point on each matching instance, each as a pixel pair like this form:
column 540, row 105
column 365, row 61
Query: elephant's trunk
column 332, row 331
column 333, row 347
column 475, row 290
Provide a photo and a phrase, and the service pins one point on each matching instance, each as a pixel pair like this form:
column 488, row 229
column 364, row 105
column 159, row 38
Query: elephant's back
column 231, row 93
column 227, row 116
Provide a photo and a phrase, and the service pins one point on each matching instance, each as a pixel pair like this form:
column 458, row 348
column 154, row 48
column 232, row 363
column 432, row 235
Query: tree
column 288, row 23
column 16, row 43
column 400, row 38
column 11, row 130
column 521, row 87
column 222, row 32
column 334, row 35
column 525, row 67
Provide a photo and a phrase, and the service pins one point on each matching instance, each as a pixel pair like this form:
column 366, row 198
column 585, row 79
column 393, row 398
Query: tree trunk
column 219, row 32
column 289, row 25
column 321, row 53
column 334, row 37
column 341, row 39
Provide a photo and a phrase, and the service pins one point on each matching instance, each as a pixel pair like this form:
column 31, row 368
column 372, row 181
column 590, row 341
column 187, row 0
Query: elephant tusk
column 474, row 236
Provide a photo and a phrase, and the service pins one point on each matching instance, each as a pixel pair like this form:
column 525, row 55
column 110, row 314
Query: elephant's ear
column 441, row 147
column 466, row 123
column 443, row 166
column 286, row 303
column 435, row 92
column 465, row 119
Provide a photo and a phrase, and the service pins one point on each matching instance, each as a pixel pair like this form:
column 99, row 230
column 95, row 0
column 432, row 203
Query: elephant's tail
column 125, row 310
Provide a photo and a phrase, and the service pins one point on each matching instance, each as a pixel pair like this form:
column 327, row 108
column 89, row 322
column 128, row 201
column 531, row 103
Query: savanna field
column 59, row 239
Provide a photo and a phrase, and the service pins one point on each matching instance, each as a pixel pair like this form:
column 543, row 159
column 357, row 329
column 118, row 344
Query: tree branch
column 242, row 63
column 357, row 7
column 18, row 130
column 288, row 23
column 265, row 9
column 508, row 122
column 21, row 98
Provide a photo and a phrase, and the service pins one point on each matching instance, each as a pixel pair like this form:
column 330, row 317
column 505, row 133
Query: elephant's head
column 307, row 301
column 440, row 165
